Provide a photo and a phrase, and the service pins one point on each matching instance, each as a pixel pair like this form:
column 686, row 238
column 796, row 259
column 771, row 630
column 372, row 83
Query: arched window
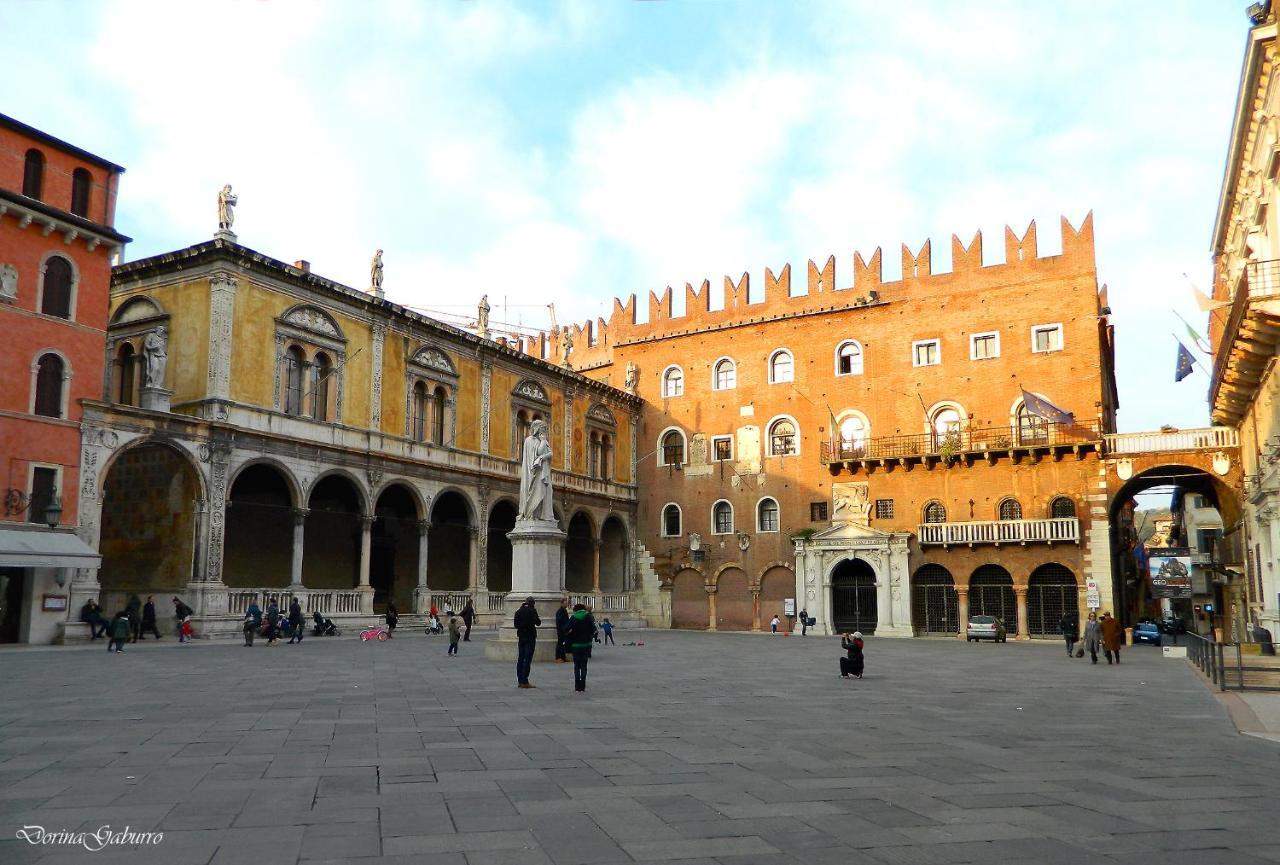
column 438, row 401
column 673, row 381
column 33, row 174
column 418, row 425
column 126, row 369
column 321, row 373
column 81, row 185
column 1010, row 509
column 672, row 448
column 853, row 434
column 722, row 518
column 935, row 512
column 782, row 438
column 781, row 367
column 295, row 364
column 946, row 421
column 849, row 358
column 55, row 295
column 50, row 372
column 1062, row 507
column 671, row 521
column 1032, row 429
column 767, row 515
column 724, row 375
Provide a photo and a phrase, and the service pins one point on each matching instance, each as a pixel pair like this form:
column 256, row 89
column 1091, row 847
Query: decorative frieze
column 222, row 296
column 375, row 379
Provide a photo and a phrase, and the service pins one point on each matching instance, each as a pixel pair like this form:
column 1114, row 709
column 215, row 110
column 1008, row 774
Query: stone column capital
column 300, row 515
column 424, row 526
column 367, row 521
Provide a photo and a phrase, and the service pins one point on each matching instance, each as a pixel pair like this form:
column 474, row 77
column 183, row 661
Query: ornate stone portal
column 851, row 538
column 537, row 552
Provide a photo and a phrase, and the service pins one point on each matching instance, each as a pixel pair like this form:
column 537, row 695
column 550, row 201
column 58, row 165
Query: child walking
column 455, row 634
column 607, row 627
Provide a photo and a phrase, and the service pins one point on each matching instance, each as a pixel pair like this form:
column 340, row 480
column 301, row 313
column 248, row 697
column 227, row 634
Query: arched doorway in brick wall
column 1051, row 593
column 689, row 605
column 777, row 584
column 935, row 608
column 735, row 608
column 853, row 597
column 991, row 594
column 148, row 526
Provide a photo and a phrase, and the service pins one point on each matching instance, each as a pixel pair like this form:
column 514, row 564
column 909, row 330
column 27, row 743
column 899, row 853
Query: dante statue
column 536, row 502
column 155, row 350
column 375, row 273
column 633, row 374
column 482, row 318
column 226, row 208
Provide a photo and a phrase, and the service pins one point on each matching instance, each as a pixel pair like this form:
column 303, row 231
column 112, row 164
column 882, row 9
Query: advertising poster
column 1170, row 572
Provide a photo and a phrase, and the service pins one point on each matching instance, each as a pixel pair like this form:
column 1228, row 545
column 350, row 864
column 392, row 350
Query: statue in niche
column 226, row 208
column 536, row 496
column 8, row 283
column 375, row 273
column 155, row 351
column 633, row 375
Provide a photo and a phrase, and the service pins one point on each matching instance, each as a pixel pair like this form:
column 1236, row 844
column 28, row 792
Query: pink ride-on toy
column 373, row 633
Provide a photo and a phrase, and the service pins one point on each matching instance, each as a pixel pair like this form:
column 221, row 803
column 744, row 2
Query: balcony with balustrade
column 1246, row 344
column 969, row 444
column 1173, row 440
column 1060, row 530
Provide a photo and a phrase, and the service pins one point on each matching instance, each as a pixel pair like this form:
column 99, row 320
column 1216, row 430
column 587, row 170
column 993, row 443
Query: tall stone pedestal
column 537, row 570
column 156, row 398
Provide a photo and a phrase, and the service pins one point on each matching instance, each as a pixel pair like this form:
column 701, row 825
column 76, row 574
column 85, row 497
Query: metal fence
column 1233, row 667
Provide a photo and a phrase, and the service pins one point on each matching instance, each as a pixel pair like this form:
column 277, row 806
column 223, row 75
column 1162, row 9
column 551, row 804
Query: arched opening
column 781, row 367
column 613, row 556
column 579, row 554
column 671, row 521
column 1009, row 509
column 782, row 438
column 502, row 519
column 935, row 512
column 1062, row 507
column 725, row 375
column 689, row 605
column 849, row 358
column 331, row 557
column 673, row 381
column 449, row 544
column 853, row 597
column 33, row 174
column 672, row 448
column 438, row 400
column 126, row 371
column 767, row 518
column 55, row 293
column 149, row 527
column 81, row 187
column 735, row 608
column 50, row 380
column 257, row 549
column 418, row 414
column 295, row 364
column 946, row 425
column 1031, row 428
column 321, row 373
column 1051, row 594
column 393, row 548
column 935, row 608
column 991, row 594
column 778, row 584
column 853, row 435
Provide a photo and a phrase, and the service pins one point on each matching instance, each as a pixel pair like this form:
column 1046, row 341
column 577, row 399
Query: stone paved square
column 694, row 747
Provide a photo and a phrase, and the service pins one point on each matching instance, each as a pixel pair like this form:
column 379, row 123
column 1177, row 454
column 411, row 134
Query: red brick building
column 57, row 245
column 865, row 448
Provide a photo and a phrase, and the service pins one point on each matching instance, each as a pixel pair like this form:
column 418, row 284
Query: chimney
column 303, row 265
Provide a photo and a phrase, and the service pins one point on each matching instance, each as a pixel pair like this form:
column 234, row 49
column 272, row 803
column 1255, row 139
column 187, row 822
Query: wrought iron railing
column 1056, row 530
column 966, row 440
column 1231, row 668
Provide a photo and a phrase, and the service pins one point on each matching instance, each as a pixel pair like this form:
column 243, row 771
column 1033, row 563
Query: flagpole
column 1195, row 336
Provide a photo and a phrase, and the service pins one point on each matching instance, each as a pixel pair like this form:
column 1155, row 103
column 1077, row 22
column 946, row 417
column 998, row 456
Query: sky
column 571, row 152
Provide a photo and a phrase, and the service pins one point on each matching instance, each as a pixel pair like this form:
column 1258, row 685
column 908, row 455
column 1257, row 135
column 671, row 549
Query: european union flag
column 1185, row 362
column 1041, row 407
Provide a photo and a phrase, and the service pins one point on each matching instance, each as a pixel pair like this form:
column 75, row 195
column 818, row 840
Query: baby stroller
column 373, row 633
column 434, row 626
column 322, row 627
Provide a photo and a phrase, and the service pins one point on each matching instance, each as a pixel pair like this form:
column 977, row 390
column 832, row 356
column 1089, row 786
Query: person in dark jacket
column 149, row 619
column 1112, row 637
column 562, row 622
column 297, row 624
column 273, row 622
column 1070, row 629
column 91, row 615
column 852, row 664
column 134, row 611
column 393, row 616
column 468, row 616
column 526, row 622
column 181, row 612
column 119, row 632
column 1092, row 636
column 252, row 622
column 578, row 635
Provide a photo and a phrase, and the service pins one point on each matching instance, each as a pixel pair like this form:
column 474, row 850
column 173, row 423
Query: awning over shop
column 45, row 549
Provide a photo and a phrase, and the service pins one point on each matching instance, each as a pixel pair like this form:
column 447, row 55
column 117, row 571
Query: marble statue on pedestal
column 536, row 500
column 566, row 345
column 482, row 317
column 226, row 208
column 632, row 379
column 155, row 350
column 375, row 274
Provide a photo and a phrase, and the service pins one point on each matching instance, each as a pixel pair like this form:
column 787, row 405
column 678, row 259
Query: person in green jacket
column 119, row 632
column 578, row 635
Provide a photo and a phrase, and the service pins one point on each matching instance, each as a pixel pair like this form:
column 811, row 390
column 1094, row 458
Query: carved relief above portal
column 851, row 503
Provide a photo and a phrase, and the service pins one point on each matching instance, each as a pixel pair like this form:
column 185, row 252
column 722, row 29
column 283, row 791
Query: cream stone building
column 265, row 431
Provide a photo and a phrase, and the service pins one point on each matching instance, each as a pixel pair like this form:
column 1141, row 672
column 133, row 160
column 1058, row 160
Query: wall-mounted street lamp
column 18, row 502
